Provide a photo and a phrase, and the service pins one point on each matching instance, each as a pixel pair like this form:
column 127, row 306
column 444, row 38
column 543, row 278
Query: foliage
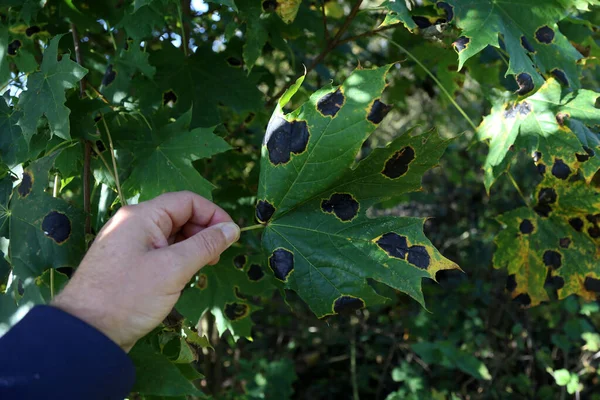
column 298, row 119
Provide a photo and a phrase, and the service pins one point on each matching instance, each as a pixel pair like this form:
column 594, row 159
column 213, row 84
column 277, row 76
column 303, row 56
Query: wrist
column 92, row 316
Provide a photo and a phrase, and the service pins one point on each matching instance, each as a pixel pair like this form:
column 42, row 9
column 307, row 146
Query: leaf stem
column 183, row 38
column 435, row 79
column 353, row 365
column 252, row 227
column 114, row 162
column 516, row 185
column 54, row 194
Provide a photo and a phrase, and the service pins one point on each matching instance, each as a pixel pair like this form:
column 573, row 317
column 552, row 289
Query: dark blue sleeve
column 51, row 354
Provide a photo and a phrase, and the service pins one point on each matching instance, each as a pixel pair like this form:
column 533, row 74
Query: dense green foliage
column 319, row 126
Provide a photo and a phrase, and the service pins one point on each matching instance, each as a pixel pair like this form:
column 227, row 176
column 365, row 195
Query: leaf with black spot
column 225, row 290
column 562, row 246
column 529, row 33
column 45, row 232
column 538, row 124
column 318, row 239
column 398, row 13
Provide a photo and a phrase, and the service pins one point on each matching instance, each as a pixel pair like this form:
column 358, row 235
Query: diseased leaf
column 314, row 200
column 164, row 163
column 45, row 94
column 556, row 241
column 554, row 126
column 45, row 232
column 529, row 34
column 256, row 33
column 398, row 12
column 287, row 10
column 224, row 290
column 132, row 59
column 185, row 81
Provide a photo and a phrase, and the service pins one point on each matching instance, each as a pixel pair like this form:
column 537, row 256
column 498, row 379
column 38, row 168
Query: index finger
column 171, row 211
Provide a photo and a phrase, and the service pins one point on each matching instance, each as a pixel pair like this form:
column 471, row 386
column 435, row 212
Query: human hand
column 141, row 260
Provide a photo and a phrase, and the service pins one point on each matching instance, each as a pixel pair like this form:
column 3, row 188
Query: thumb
column 205, row 246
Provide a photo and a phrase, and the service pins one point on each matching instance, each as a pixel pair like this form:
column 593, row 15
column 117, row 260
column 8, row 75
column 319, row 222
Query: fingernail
column 231, row 231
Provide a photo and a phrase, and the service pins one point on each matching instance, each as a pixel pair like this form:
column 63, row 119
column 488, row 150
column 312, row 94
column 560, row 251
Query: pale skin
column 141, row 260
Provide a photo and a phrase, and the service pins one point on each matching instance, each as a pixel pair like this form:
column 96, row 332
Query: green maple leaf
column 553, row 125
column 163, row 163
column 319, row 239
column 186, row 81
column 398, row 12
column 13, row 148
column 45, row 232
column 558, row 239
column 530, row 34
column 117, row 79
column 224, row 290
column 45, row 94
column 256, row 33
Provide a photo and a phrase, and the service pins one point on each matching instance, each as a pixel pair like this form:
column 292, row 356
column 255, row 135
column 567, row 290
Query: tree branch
column 332, row 45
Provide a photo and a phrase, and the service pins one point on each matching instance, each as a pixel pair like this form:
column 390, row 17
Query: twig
column 369, row 33
column 353, row 364
column 87, row 159
column 386, row 366
column 435, row 79
column 114, row 162
column 183, row 39
column 332, row 45
column 516, row 185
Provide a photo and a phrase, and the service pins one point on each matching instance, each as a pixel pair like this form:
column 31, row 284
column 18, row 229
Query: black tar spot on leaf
column 564, row 242
column 576, row 223
column 284, row 138
column 511, row 282
column 545, row 35
column 547, row 196
column 169, row 98
column 32, row 30
column 592, row 284
column 552, row 259
column 331, row 103
column 343, row 205
column 594, row 232
column 234, row 62
column 523, row 299
column 264, row 211
column 56, row 226
column 378, row 111
column 109, row 76
column 282, row 263
column 100, row 145
column 25, row 186
column 347, row 304
column 526, row 45
column 255, row 272
column 269, row 5
column 560, row 169
column 461, row 43
column 594, row 219
column 541, row 169
column 448, row 10
column 558, row 282
column 240, row 261
column 526, row 227
column 542, row 210
column 582, row 157
column 537, row 156
column 525, row 82
column 239, row 294
column 560, row 76
column 418, row 256
column 13, row 47
column 422, row 22
column 523, row 108
column 394, row 245
column 235, row 311
column 397, row 164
